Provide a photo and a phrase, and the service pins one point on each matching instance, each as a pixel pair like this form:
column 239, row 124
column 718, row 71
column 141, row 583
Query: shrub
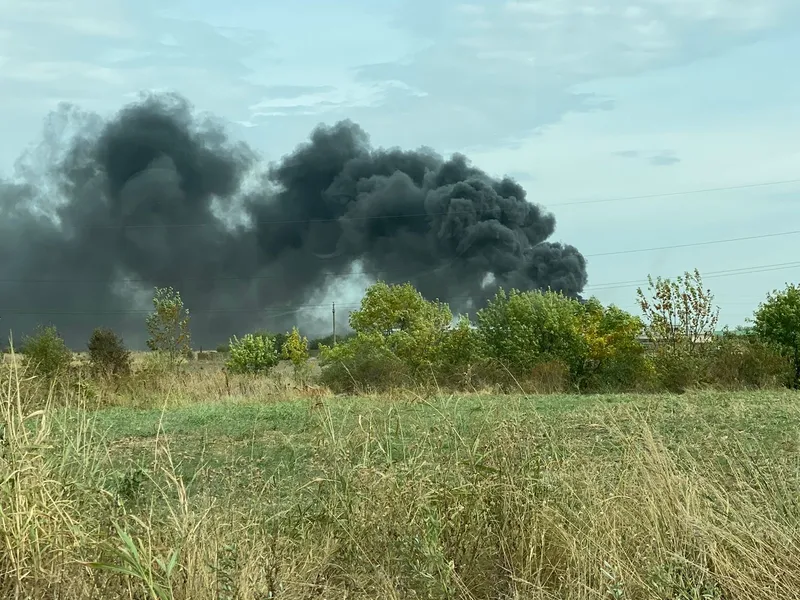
column 522, row 329
column 295, row 349
column 46, row 352
column 168, row 326
column 252, row 354
column 317, row 343
column 410, row 326
column 777, row 322
column 460, row 358
column 678, row 314
column 678, row 369
column 745, row 361
column 107, row 353
column 615, row 359
column 363, row 363
column 223, row 348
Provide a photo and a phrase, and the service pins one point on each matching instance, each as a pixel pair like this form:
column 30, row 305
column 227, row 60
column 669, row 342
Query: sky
column 609, row 112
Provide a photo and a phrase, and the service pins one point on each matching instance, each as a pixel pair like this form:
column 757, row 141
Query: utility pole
column 333, row 311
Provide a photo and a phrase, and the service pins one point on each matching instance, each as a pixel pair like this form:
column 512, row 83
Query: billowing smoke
column 105, row 211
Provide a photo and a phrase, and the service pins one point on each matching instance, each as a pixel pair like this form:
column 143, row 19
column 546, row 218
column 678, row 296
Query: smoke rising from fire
column 104, row 211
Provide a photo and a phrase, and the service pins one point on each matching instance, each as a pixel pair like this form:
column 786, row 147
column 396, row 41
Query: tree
column 680, row 314
column 107, row 353
column 295, row 349
column 777, row 322
column 461, row 346
column 387, row 309
column 410, row 325
column 168, row 326
column 252, row 354
column 523, row 329
column 46, row 352
column 614, row 357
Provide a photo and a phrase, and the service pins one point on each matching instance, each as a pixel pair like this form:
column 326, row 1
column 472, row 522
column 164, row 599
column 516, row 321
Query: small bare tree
column 678, row 314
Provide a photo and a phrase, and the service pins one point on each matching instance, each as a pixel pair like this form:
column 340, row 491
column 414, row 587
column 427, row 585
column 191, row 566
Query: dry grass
column 198, row 380
column 688, row 498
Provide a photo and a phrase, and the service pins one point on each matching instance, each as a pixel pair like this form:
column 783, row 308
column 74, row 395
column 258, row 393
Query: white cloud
column 517, row 64
column 329, row 99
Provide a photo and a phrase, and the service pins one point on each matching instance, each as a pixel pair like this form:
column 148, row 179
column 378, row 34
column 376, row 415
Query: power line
column 442, row 214
column 695, row 244
column 708, row 275
column 681, row 193
column 299, row 307
column 424, row 273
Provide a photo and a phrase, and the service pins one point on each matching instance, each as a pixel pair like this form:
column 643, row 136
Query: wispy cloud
column 293, row 100
column 662, row 158
column 517, row 63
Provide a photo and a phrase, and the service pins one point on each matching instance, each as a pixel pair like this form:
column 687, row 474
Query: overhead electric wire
column 218, row 223
column 590, row 287
column 680, row 193
column 299, row 307
column 434, row 270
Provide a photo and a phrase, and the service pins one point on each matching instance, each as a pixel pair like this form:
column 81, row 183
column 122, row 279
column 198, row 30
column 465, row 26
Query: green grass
column 223, row 448
column 541, row 497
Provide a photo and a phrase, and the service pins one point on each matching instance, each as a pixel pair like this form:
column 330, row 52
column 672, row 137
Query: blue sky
column 578, row 99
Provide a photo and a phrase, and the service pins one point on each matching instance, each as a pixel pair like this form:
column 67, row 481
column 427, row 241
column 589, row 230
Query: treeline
column 520, row 341
column 545, row 342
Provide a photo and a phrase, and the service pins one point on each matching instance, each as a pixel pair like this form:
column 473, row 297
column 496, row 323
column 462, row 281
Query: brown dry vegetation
column 182, row 488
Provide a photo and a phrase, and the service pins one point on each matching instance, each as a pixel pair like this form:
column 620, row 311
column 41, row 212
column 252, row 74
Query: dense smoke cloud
column 104, row 211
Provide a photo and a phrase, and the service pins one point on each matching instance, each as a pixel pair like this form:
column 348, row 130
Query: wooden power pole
column 333, row 311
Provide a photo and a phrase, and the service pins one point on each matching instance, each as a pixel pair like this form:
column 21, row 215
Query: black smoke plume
column 103, row 212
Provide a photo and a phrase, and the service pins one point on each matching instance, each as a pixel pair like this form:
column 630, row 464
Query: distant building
column 645, row 340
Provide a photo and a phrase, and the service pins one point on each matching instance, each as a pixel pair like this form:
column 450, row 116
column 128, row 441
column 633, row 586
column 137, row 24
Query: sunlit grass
column 258, row 496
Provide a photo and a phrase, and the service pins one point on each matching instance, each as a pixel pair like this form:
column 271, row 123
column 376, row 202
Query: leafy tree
column 252, row 354
column 777, row 322
column 523, row 329
column 614, row 356
column 461, row 345
column 680, row 314
column 107, row 353
column 410, row 325
column 278, row 339
column 168, row 326
column 295, row 349
column 387, row 309
column 46, row 352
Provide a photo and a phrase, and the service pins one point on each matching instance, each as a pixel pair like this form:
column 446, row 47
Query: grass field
column 673, row 497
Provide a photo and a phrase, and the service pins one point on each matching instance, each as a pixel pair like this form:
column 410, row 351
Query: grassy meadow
column 204, row 486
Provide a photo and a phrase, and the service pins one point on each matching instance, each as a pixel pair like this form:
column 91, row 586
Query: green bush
column 411, row 326
column 317, row 343
column 168, row 327
column 364, row 363
column 745, row 361
column 522, row 329
column 677, row 370
column 777, row 323
column 460, row 359
column 252, row 354
column 46, row 352
column 295, row 350
column 278, row 339
column 615, row 359
column 107, row 354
